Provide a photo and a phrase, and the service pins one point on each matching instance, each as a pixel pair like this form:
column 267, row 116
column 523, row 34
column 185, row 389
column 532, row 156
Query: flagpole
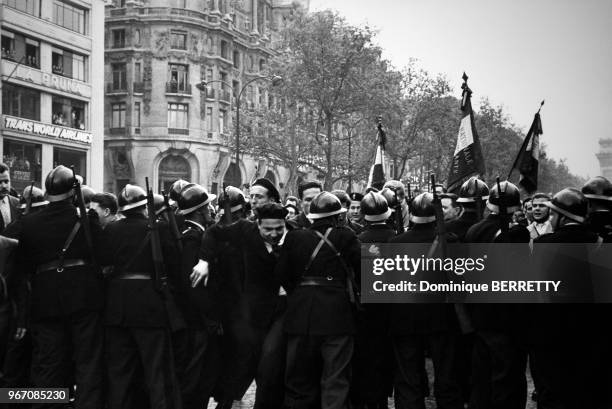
column 525, row 141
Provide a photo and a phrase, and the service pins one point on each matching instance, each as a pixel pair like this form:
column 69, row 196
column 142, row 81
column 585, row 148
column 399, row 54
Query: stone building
column 605, row 158
column 52, row 95
column 161, row 122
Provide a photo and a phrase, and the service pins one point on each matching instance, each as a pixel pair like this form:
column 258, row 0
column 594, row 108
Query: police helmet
column 38, row 197
column 571, row 203
column 59, row 184
column 131, row 197
column 511, row 196
column 598, row 188
column 324, row 205
column 193, row 197
column 235, row 196
column 473, row 189
column 375, row 208
column 422, row 209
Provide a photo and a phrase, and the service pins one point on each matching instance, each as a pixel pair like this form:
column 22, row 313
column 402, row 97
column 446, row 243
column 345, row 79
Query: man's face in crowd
column 290, row 213
column 528, row 209
column 291, row 201
column 450, row 212
column 5, row 184
column 272, row 230
column 104, row 214
column 259, row 196
column 307, row 197
column 354, row 211
column 540, row 211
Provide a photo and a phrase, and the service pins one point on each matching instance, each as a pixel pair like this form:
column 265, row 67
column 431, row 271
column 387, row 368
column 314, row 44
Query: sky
column 516, row 53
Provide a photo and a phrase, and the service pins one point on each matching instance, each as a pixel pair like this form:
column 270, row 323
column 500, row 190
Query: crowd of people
column 133, row 310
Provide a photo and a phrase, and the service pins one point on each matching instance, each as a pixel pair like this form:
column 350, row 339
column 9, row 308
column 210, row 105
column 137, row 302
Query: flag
column 377, row 171
column 467, row 159
column 528, row 157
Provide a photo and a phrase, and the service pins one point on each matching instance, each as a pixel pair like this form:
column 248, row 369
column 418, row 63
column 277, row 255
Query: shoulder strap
column 66, row 246
column 334, row 249
column 318, row 248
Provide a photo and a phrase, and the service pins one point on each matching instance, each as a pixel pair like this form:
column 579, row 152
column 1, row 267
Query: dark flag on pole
column 377, row 171
column 528, row 157
column 467, row 159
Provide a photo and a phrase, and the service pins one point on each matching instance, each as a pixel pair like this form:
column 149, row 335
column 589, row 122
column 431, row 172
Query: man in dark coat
column 66, row 294
column 320, row 319
column 499, row 358
column 137, row 319
column 472, row 198
column 307, row 191
column 256, row 328
column 413, row 327
column 373, row 359
column 9, row 205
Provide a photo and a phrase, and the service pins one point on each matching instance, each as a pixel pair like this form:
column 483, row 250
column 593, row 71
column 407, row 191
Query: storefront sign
column 38, row 77
column 51, row 131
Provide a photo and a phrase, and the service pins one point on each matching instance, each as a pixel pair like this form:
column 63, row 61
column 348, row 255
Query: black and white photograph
column 306, row 204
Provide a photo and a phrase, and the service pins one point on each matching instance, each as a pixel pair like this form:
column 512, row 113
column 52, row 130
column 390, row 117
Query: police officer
column 413, row 327
column 598, row 191
column 66, row 293
column 499, row 357
column 197, row 350
column 137, row 320
column 346, row 202
column 372, row 360
column 396, row 220
column 314, row 267
column 354, row 211
column 473, row 195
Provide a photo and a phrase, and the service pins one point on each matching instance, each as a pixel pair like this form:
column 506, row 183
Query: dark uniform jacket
column 460, row 226
column 299, row 222
column 318, row 310
column 199, row 305
column 503, row 317
column 258, row 287
column 415, row 318
column 135, row 302
column 74, row 289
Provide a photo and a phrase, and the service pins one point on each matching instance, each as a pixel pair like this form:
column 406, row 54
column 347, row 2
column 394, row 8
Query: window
column 17, row 47
column 20, row 101
column 262, row 65
column 236, row 59
column 68, row 16
column 178, row 40
column 27, row 6
column 222, row 120
column 23, row 160
column 8, row 45
column 119, row 77
column 224, row 49
column 209, row 79
column 209, row 119
column 178, row 81
column 32, row 53
column 118, row 115
column 68, row 112
column 136, row 119
column 178, row 116
column 71, row 157
column 137, row 37
column 68, row 64
column 118, row 38
column 137, row 72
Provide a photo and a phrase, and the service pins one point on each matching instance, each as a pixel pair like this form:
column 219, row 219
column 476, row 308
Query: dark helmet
column 571, row 203
column 398, row 187
column 324, row 205
column 422, row 209
column 192, row 198
column 374, row 207
column 158, row 203
column 371, row 189
column 473, row 189
column 131, row 197
column 598, row 188
column 389, row 195
column 38, row 197
column 343, row 196
column 88, row 193
column 236, row 198
column 175, row 190
column 512, row 198
column 59, row 184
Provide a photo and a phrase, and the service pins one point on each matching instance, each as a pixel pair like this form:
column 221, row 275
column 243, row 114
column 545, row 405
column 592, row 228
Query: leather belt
column 328, row 281
column 55, row 265
column 134, row 276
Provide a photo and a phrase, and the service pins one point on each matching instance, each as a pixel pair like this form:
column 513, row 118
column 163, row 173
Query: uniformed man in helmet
column 399, row 190
column 473, row 195
column 499, row 357
column 598, row 191
column 315, row 266
column 354, row 212
column 373, row 358
column 394, row 204
column 346, row 202
column 137, row 319
column 413, row 327
column 67, row 293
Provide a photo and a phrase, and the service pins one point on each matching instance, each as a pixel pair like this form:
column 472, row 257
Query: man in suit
column 66, row 293
column 8, row 204
column 306, row 191
column 314, row 268
column 255, row 330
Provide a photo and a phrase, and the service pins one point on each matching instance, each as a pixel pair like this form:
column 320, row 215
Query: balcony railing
column 225, row 96
column 138, row 87
column 113, row 87
column 174, row 88
column 210, row 93
column 178, row 131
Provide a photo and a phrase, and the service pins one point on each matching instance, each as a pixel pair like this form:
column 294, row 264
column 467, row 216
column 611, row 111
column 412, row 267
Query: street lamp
column 274, row 79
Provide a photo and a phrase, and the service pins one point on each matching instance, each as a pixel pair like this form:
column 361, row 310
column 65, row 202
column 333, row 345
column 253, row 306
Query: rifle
column 227, row 207
column 463, row 318
column 503, row 216
column 82, row 214
column 172, row 222
column 399, row 217
column 29, row 200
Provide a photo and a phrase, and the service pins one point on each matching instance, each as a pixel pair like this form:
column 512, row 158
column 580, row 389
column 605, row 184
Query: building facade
column 605, row 158
column 52, row 97
column 172, row 71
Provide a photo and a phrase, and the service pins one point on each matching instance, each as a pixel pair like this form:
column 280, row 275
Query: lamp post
column 274, row 79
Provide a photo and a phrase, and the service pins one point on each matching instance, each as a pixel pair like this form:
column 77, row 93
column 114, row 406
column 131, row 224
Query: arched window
column 233, row 176
column 172, row 168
